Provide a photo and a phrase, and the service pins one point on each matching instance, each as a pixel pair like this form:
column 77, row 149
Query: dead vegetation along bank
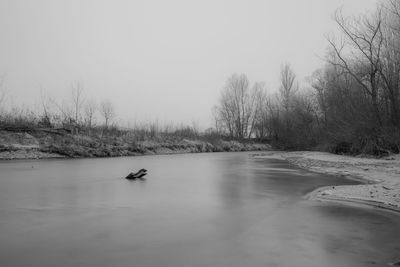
column 45, row 144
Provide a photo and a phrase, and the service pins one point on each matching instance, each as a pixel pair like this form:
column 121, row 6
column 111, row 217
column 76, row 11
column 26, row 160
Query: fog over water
column 155, row 59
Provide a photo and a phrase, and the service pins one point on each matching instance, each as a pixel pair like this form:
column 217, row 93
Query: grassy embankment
column 51, row 143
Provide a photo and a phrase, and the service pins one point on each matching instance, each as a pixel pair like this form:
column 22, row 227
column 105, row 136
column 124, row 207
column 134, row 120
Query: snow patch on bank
column 381, row 177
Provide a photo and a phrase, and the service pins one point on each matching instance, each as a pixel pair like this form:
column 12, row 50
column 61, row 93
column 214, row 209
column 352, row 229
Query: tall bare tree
column 45, row 119
column 319, row 82
column 287, row 91
column 288, row 85
column 107, row 110
column 362, row 60
column 239, row 106
column 254, row 106
column 77, row 100
column 89, row 111
column 390, row 64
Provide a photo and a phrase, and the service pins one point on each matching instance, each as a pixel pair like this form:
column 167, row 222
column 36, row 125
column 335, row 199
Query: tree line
column 349, row 105
column 76, row 112
column 80, row 114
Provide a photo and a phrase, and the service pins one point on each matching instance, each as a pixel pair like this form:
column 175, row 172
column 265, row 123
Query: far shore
column 46, row 145
column 380, row 177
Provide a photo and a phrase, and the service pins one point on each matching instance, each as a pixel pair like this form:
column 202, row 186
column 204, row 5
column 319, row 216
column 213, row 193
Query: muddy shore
column 380, row 177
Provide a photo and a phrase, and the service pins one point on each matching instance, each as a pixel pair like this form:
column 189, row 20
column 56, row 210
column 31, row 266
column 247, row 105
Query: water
column 221, row 209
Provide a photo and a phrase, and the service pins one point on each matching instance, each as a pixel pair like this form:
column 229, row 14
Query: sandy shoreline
column 380, row 177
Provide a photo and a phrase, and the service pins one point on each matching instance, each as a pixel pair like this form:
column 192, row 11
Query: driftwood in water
column 137, row 175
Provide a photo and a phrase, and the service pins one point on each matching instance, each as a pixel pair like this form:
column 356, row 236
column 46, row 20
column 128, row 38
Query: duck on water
column 137, row 175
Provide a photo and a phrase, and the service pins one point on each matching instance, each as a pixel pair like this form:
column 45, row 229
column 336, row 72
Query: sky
column 158, row 60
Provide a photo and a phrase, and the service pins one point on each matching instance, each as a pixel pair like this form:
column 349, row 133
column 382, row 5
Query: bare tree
column 77, row 100
column 239, row 106
column 219, row 125
column 254, row 106
column 287, row 92
column 90, row 110
column 318, row 82
column 46, row 116
column 390, row 64
column 65, row 113
column 107, row 110
column 288, row 86
column 363, row 61
column 262, row 120
column 231, row 109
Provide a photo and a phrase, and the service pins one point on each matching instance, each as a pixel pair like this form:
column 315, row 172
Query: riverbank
column 45, row 144
column 380, row 177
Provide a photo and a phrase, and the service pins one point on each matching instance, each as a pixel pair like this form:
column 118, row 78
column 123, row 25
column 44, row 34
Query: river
column 212, row 209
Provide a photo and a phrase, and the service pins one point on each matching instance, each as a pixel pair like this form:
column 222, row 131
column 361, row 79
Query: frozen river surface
column 220, row 209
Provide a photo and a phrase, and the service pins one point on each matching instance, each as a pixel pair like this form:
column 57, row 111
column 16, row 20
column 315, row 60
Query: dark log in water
column 137, row 175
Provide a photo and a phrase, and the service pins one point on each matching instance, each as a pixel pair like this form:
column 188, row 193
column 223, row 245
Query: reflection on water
column 224, row 209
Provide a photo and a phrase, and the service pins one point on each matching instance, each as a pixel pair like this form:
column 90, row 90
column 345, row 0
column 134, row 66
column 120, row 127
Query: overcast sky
column 165, row 60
